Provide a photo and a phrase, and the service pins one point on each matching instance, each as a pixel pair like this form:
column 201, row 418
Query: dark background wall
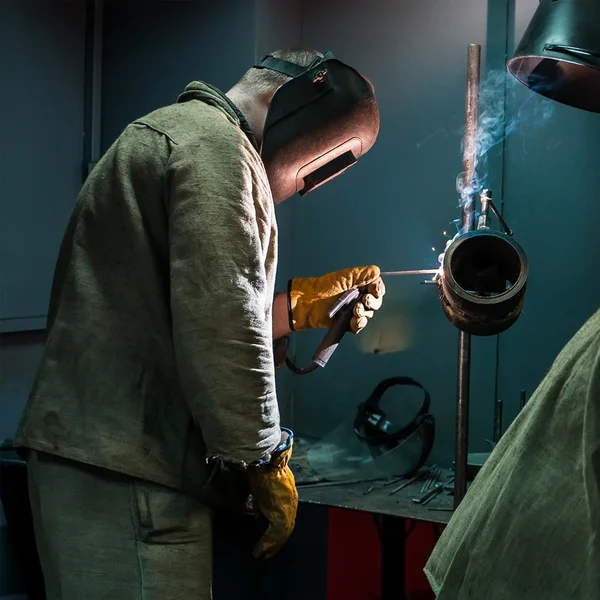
column 391, row 209
column 41, row 123
column 151, row 54
column 146, row 54
column 41, row 119
column 550, row 179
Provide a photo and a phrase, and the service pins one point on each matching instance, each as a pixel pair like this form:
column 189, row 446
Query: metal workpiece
column 433, row 477
column 485, row 278
column 430, row 494
column 404, row 485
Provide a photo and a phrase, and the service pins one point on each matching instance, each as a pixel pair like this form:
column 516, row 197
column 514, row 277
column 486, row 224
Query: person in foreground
column 155, row 400
column 528, row 526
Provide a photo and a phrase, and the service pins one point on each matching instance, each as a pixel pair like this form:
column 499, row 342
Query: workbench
column 392, row 511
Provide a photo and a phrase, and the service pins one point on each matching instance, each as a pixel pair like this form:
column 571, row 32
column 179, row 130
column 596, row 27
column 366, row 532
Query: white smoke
column 501, row 113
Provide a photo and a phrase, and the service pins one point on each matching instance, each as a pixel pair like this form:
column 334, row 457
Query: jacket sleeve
column 220, row 303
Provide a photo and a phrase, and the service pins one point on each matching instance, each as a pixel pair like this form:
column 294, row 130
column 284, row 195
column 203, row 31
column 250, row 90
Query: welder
column 155, row 400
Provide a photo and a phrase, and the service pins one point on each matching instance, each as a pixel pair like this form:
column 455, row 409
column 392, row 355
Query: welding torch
column 341, row 315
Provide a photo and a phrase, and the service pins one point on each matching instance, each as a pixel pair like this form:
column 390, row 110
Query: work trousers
column 105, row 536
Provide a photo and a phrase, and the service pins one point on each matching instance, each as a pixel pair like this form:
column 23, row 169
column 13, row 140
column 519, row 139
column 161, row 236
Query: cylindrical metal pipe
column 464, row 339
column 484, row 281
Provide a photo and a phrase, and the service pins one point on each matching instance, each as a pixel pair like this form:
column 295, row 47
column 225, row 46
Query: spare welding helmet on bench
column 371, row 446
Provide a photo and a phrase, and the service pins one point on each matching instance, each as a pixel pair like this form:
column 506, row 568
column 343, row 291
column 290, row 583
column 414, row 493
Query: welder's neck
column 254, row 108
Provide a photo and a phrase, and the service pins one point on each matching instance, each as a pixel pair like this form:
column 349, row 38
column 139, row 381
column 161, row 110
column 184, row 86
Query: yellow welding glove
column 274, row 496
column 310, row 299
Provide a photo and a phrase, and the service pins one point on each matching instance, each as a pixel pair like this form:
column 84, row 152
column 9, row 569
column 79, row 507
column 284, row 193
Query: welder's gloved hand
column 274, row 496
column 310, row 299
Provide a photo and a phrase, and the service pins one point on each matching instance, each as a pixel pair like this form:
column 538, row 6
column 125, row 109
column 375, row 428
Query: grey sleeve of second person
column 220, row 300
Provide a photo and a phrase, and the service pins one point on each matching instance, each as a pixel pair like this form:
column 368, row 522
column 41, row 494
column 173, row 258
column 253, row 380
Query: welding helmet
column 319, row 123
column 372, row 446
column 373, row 426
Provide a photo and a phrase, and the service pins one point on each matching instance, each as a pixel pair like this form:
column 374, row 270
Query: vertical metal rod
column 462, row 416
column 523, row 400
column 471, row 126
column 464, row 339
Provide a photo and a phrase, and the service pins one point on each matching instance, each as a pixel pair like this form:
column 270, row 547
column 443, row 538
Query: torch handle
column 339, row 327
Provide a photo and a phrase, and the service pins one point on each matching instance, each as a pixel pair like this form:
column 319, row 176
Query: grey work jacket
column 159, row 348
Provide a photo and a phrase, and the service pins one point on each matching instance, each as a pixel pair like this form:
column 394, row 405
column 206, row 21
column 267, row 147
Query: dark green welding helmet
column 319, row 123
